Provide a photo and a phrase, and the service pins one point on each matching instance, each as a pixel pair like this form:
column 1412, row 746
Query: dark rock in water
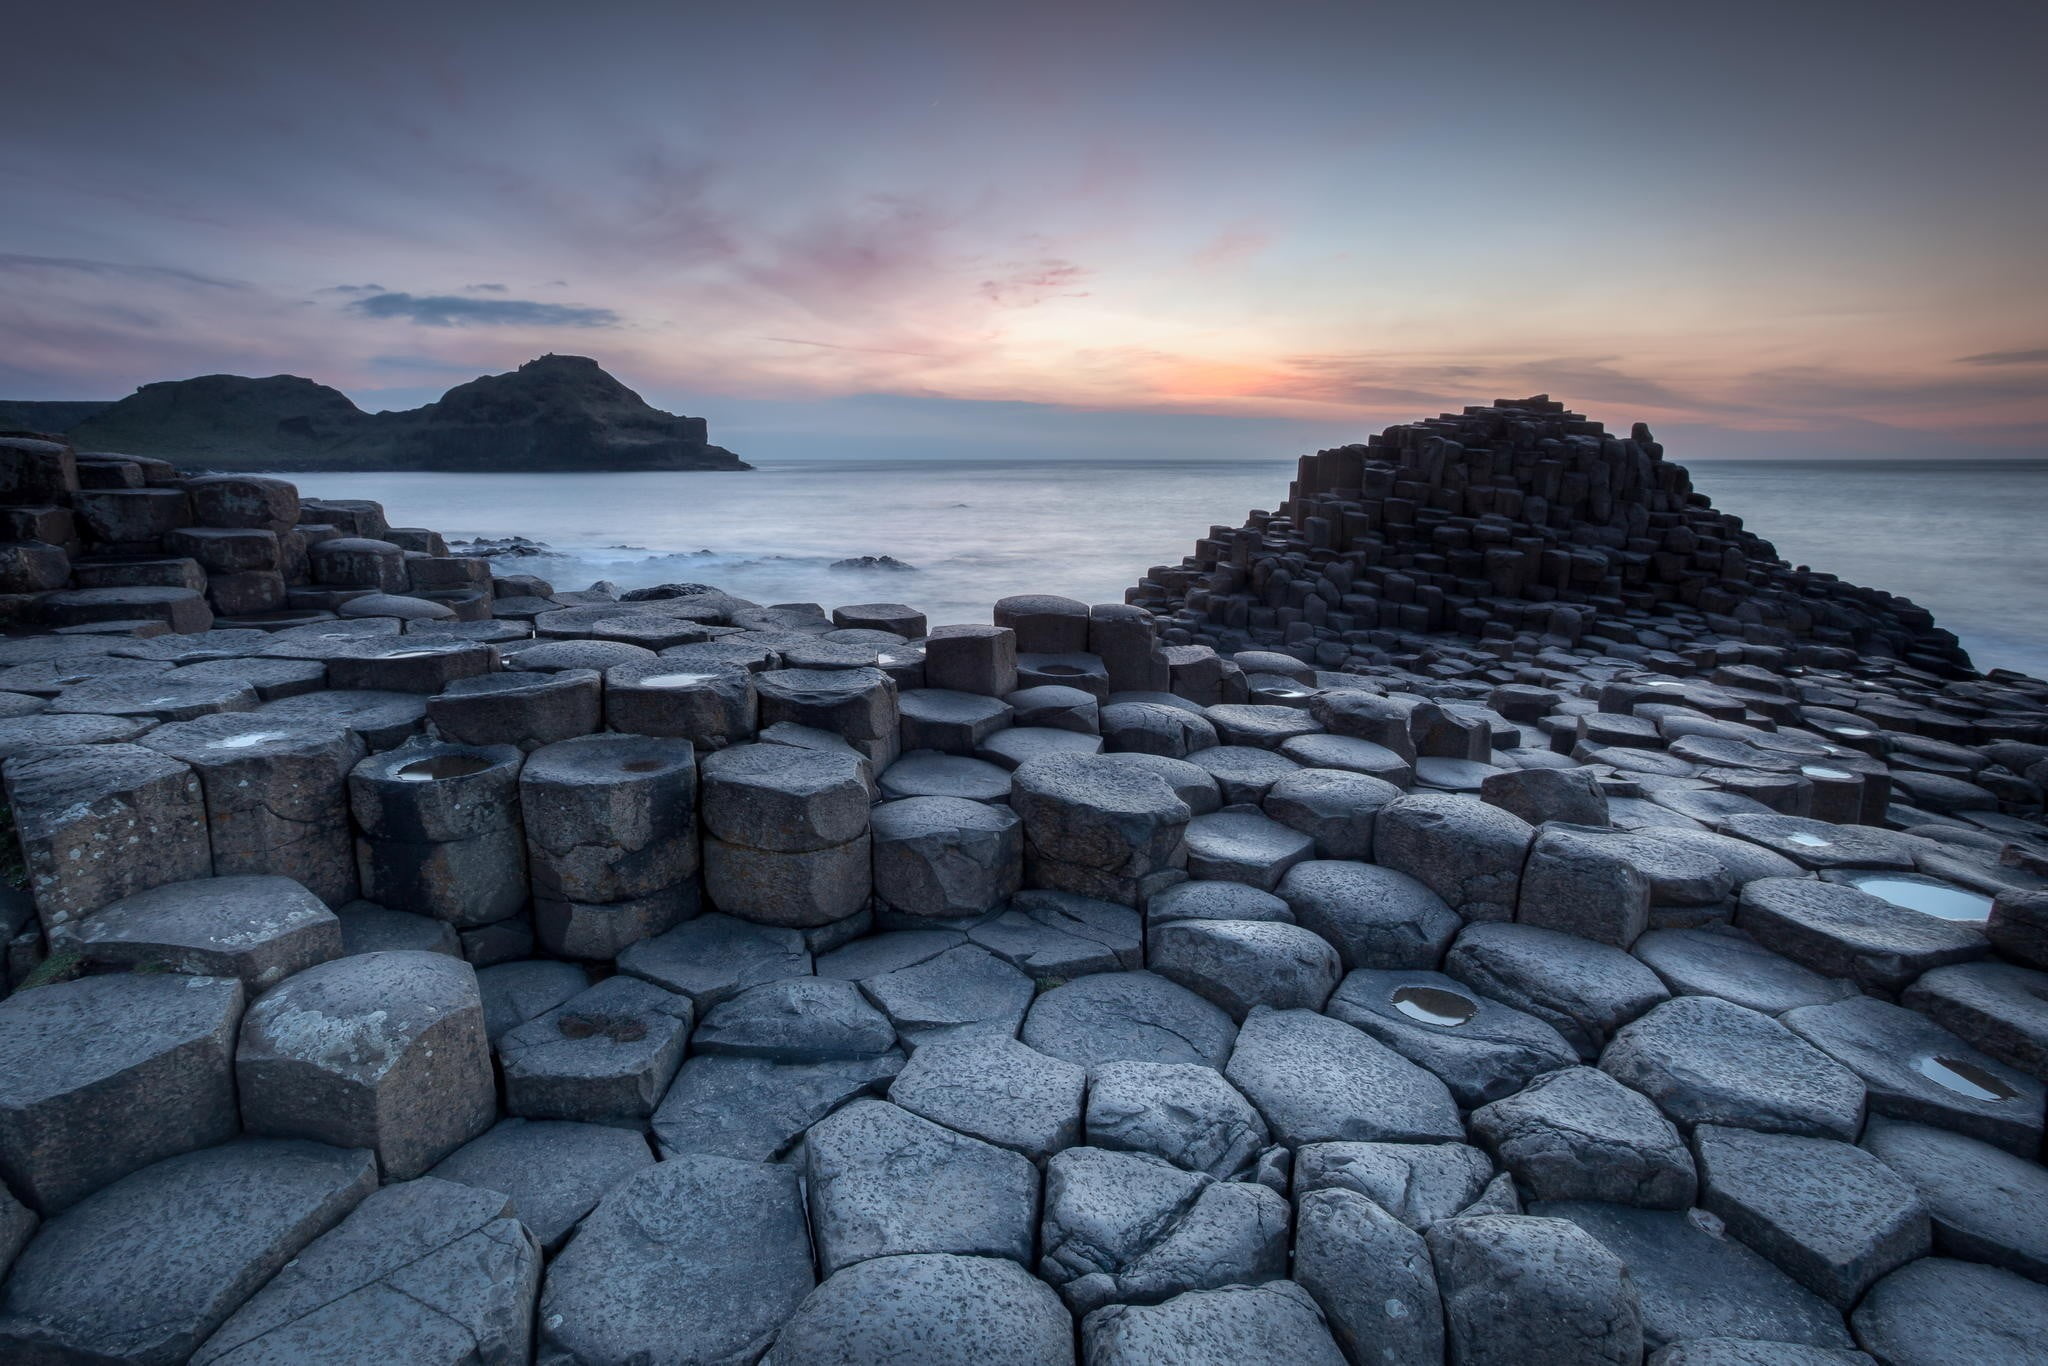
column 555, row 413
column 501, row 547
column 888, row 562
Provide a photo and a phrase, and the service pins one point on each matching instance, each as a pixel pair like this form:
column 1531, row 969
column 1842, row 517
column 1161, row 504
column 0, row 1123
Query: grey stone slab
column 1055, row 937
column 102, row 1076
column 1465, row 851
column 1181, row 1112
column 1112, row 1220
column 1839, row 931
column 259, row 929
column 1318, row 1080
column 1579, row 1134
column 1585, row 991
column 1374, row 917
column 713, row 958
column 1481, row 1049
column 1128, row 1016
column 1938, row 1312
column 1708, row 1061
column 2000, row 1008
column 1277, row 1323
column 1731, row 965
column 604, row 1056
column 930, row 1309
column 1534, row 1292
column 1987, row 1204
column 431, row 1270
column 754, row 1109
column 1696, row 1282
column 882, row 1181
column 143, row 1271
column 1417, row 1183
column 1239, row 964
column 1830, row 1215
column 377, row 1050
column 1371, row 1274
column 555, row 1172
column 693, row 1259
column 1918, row 1071
column 995, row 1089
column 965, row 991
column 514, row 993
column 796, row 1019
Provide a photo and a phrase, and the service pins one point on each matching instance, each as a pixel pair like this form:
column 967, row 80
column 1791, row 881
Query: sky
column 1791, row 229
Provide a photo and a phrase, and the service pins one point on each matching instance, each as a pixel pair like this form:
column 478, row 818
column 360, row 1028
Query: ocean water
column 1968, row 540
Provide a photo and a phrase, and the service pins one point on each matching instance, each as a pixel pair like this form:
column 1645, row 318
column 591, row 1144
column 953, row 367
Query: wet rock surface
column 1488, row 909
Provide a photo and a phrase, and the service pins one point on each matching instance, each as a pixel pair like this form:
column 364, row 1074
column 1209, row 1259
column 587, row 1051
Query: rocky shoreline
column 1488, row 909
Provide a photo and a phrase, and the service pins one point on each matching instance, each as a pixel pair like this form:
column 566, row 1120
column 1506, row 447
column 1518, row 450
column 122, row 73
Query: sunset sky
column 1791, row 229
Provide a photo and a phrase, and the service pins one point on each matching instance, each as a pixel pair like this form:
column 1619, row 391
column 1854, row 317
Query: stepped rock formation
column 558, row 413
column 410, row 961
column 1516, row 520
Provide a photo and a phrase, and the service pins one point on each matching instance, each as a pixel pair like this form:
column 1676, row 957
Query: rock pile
column 1508, row 525
column 435, row 967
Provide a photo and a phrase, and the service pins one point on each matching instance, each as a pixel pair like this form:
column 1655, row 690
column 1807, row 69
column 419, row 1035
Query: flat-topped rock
column 1987, row 1205
column 72, row 1292
column 258, row 929
column 1839, row 931
column 927, row 1309
column 385, row 1051
column 883, row 1182
column 756, row 1109
column 1128, row 1017
column 1319, row 1080
column 105, row 1075
column 437, row 1271
column 700, row 1257
column 1709, row 1061
column 555, row 1172
column 1577, row 1134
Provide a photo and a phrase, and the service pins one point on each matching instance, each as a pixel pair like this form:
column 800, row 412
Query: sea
column 1966, row 539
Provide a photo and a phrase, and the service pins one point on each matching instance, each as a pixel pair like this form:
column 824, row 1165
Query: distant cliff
column 557, row 413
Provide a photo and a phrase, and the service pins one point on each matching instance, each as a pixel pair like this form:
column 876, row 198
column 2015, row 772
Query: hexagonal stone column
column 713, row 705
column 946, row 856
column 380, row 1050
column 694, row 1259
column 882, row 1181
column 72, row 1295
column 276, row 796
column 1467, row 852
column 424, row 1271
column 105, row 1075
column 259, row 929
column 100, row 822
column 441, row 831
column 971, row 659
column 786, row 834
column 611, row 838
column 859, row 705
column 1099, row 825
column 524, row 708
column 605, row 1056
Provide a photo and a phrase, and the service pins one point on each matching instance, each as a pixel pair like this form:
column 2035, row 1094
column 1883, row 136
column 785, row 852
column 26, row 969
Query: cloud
column 1021, row 286
column 835, row 346
column 13, row 261
column 353, row 289
column 493, row 289
column 2037, row 356
column 452, row 310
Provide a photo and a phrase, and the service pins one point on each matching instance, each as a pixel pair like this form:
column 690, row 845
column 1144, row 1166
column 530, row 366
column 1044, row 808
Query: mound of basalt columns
column 1487, row 910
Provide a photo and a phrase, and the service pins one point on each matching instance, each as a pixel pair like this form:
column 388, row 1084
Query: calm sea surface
column 1967, row 539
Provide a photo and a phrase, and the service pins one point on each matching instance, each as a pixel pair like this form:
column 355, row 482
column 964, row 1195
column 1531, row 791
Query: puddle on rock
column 1806, row 841
column 642, row 766
column 1826, row 774
column 673, row 680
column 251, row 740
column 1943, row 903
column 442, row 766
column 619, row 1029
column 1434, row 1006
column 1964, row 1078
